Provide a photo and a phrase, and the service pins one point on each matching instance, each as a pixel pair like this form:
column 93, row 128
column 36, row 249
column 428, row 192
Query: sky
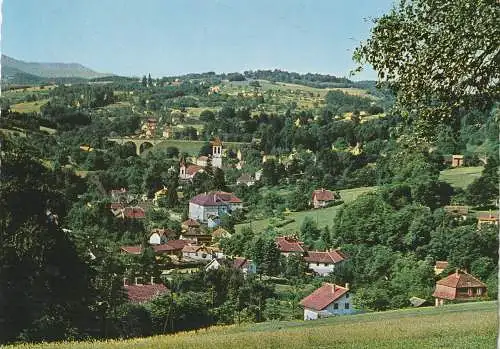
column 170, row 37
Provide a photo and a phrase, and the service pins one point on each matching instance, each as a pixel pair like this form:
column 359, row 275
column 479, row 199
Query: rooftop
column 215, row 198
column 144, row 293
column 289, row 244
column 323, row 296
column 332, row 256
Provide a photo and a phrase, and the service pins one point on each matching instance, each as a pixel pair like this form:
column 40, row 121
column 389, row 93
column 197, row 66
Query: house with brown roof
column 290, row 245
column 328, row 300
column 196, row 253
column 139, row 293
column 215, row 204
column 487, row 219
column 460, row 286
column 323, row 263
column 440, row 266
column 197, row 235
column 188, row 171
column 245, row 179
column 322, row 197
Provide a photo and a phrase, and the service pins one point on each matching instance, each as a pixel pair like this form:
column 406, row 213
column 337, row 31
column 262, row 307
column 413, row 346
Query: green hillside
column 472, row 325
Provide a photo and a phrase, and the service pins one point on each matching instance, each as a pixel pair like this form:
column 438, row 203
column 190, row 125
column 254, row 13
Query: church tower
column 217, row 153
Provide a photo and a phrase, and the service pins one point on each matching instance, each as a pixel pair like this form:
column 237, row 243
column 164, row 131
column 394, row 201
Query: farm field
column 28, row 107
column 459, row 326
column 323, row 217
column 461, row 177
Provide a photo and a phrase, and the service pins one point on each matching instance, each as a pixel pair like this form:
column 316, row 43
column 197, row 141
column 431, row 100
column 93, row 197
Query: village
column 197, row 245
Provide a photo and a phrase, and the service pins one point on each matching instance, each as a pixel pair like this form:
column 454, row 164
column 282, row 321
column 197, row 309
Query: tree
column 437, row 55
column 219, row 181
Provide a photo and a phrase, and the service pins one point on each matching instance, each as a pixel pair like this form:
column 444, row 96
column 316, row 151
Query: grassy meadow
column 28, row 107
column 323, row 217
column 461, row 177
column 459, row 326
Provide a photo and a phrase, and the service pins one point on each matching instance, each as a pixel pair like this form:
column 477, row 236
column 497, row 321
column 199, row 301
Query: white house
column 213, row 204
column 323, row 263
column 328, row 300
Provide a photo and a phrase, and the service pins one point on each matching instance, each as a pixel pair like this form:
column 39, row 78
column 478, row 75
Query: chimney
column 456, row 272
column 125, row 281
column 347, row 285
column 152, row 280
column 333, row 288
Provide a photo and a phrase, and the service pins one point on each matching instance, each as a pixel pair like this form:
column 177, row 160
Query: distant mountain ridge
column 12, row 68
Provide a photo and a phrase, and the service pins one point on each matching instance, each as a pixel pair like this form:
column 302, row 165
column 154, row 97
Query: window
column 347, row 305
column 347, row 295
column 479, row 291
column 335, row 306
column 317, row 264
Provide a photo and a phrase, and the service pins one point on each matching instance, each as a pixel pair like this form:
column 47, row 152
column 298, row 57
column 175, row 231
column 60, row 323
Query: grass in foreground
column 472, row 325
column 461, row 177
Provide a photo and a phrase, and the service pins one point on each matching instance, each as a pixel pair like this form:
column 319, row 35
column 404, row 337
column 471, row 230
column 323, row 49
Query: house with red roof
column 139, row 293
column 328, row 300
column 290, row 245
column 487, row 219
column 460, row 286
column 240, row 263
column 213, row 204
column 135, row 212
column 323, row 263
column 188, row 171
column 322, row 197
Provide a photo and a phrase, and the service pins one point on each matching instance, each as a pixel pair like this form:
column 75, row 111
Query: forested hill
column 11, row 68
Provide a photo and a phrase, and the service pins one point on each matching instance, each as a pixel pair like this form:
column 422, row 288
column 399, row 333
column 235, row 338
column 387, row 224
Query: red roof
column 460, row 279
column 289, row 244
column 215, row 198
column 240, row 263
column 179, row 244
column 328, row 257
column 323, row 195
column 134, row 212
column 144, row 293
column 132, row 249
column 193, row 169
column 323, row 296
column 488, row 217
